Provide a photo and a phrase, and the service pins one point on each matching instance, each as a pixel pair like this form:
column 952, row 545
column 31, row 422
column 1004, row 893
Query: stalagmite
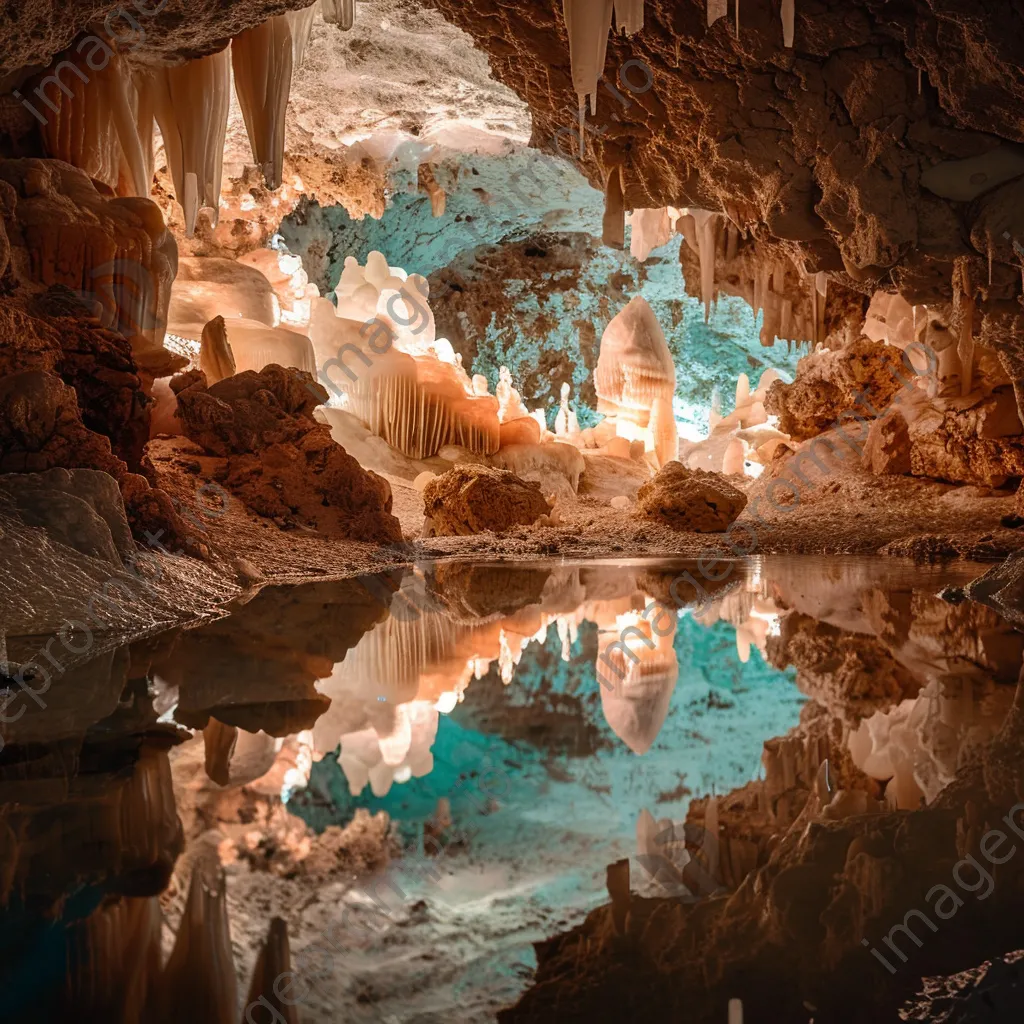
column 201, row 970
column 629, row 16
column 255, row 346
column 587, row 24
column 339, row 12
column 788, row 19
column 263, row 59
column 634, row 371
column 717, row 9
column 215, row 357
column 273, row 963
column 566, row 423
column 191, row 103
column 613, row 227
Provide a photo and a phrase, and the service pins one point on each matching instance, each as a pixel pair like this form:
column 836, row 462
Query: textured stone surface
column 860, row 379
column 81, row 508
column 887, row 448
column 472, row 499
column 280, row 461
column 690, row 499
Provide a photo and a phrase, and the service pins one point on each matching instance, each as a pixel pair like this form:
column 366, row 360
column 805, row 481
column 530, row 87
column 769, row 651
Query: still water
column 421, row 774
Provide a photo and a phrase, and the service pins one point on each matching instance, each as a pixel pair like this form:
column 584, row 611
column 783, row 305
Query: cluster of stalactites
column 802, row 322
column 190, row 103
column 264, row 58
column 100, row 118
column 91, row 120
column 588, row 24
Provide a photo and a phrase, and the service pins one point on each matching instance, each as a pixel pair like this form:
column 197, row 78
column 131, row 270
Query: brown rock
column 887, row 449
column 472, row 499
column 280, row 461
column 691, row 499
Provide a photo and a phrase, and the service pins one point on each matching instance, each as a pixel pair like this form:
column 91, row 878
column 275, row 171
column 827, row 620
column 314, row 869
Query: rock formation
column 690, row 499
column 471, row 499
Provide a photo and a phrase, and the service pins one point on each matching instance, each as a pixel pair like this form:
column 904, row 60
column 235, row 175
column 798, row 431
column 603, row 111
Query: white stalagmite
column 339, row 12
column 587, row 23
column 788, row 21
column 263, row 60
column 629, row 16
column 190, row 103
column 717, row 9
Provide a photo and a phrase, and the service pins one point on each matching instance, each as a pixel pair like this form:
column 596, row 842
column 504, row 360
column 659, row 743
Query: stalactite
column 93, row 127
column 629, row 16
column 339, row 12
column 963, row 306
column 706, row 224
column 301, row 23
column 613, row 228
column 191, row 103
column 788, row 21
column 737, row 19
column 273, row 963
column 587, row 23
column 717, row 9
column 263, row 60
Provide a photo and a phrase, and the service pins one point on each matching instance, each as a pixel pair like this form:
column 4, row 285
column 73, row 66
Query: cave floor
column 425, row 771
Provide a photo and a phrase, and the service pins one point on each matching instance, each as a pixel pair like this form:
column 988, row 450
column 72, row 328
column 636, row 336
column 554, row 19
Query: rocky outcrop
column 473, row 499
column 887, row 448
column 860, row 379
column 82, row 508
column 273, row 455
column 690, row 499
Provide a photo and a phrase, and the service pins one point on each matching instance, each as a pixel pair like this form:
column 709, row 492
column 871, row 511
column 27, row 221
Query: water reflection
column 155, row 767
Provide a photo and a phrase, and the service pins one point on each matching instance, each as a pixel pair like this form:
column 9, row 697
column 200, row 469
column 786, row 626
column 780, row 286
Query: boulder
column 277, row 459
column 81, row 508
column 472, row 499
column 690, row 499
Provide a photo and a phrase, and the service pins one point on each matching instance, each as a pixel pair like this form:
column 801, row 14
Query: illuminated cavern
column 559, row 462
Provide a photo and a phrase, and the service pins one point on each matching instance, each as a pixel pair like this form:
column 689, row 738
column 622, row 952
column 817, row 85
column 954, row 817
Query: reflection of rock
column 691, row 499
column 472, row 499
column 257, row 668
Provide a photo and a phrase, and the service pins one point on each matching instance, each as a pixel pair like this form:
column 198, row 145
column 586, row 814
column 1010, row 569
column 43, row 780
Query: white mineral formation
column 263, row 59
column 216, row 359
column 742, row 442
column 190, row 103
column 588, row 24
column 208, row 286
column 788, row 19
column 566, row 424
column 339, row 12
column 381, row 360
column 650, row 229
column 629, row 16
column 255, row 346
column 636, row 379
column 637, row 669
column 94, row 127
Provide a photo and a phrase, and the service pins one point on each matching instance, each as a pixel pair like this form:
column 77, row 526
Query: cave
column 512, row 512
